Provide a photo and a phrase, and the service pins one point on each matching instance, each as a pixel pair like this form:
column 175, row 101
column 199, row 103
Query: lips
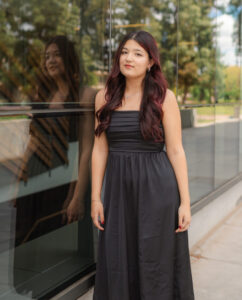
column 128, row 66
column 52, row 68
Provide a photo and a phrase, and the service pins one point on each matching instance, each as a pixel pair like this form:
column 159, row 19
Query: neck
column 133, row 86
column 62, row 85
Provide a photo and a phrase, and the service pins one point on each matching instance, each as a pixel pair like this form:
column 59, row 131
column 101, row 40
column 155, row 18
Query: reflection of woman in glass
column 143, row 240
column 54, row 177
column 60, row 81
column 50, row 141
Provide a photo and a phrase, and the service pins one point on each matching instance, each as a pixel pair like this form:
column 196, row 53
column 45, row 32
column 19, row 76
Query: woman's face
column 53, row 61
column 134, row 60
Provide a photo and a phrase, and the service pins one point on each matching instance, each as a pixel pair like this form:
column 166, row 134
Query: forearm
column 85, row 138
column 179, row 164
column 82, row 180
column 99, row 161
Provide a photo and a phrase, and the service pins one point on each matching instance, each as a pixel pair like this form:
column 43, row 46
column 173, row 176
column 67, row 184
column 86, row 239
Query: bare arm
column 74, row 202
column 98, row 166
column 176, row 153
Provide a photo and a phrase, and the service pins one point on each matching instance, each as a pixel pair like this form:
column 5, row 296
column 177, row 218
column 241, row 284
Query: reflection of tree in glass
column 234, row 8
column 26, row 28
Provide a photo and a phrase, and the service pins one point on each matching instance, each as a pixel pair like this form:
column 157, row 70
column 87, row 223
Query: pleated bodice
column 124, row 133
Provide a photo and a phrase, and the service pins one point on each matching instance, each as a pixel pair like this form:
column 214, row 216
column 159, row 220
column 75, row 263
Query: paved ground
column 216, row 262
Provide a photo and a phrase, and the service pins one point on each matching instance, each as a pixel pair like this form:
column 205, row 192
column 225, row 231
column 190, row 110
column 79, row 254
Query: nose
column 51, row 58
column 129, row 56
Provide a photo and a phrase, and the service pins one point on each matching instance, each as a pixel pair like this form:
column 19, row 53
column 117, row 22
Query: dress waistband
column 136, row 146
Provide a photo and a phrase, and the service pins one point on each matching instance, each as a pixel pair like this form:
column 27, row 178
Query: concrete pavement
column 217, row 261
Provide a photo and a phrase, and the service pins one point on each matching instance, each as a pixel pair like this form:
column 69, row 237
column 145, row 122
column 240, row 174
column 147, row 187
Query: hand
column 75, row 211
column 184, row 217
column 96, row 211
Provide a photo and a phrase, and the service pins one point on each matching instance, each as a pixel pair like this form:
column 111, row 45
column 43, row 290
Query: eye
column 123, row 52
column 138, row 54
column 57, row 54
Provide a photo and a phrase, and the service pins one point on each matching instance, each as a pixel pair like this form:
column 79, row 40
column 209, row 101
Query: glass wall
column 228, row 91
column 209, row 91
column 42, row 198
column 204, row 74
column 55, row 56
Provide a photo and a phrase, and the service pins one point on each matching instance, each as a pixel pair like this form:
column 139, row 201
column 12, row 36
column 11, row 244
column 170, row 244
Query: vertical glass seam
column 215, row 100
column 110, row 36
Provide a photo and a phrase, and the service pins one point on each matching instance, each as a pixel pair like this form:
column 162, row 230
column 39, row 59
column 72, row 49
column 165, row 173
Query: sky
column 225, row 31
column 225, row 41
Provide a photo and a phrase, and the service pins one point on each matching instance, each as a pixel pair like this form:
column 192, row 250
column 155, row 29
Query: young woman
column 143, row 251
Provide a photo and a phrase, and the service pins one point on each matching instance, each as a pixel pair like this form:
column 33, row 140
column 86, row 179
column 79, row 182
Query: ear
column 151, row 62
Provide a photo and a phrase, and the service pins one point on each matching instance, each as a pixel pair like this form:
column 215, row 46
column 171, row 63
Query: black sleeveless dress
column 140, row 257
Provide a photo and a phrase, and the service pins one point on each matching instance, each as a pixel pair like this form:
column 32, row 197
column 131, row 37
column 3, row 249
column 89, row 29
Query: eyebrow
column 55, row 51
column 134, row 49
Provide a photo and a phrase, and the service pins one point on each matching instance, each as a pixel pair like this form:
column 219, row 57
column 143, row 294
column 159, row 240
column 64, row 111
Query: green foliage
column 25, row 27
column 185, row 34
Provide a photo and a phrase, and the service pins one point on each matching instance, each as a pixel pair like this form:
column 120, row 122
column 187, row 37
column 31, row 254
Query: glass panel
column 196, row 69
column 198, row 142
column 54, row 58
column 196, row 52
column 80, row 55
column 227, row 137
column 226, row 143
column 45, row 190
column 240, row 137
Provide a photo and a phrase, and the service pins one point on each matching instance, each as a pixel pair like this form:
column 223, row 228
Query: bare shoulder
column 170, row 100
column 171, row 118
column 172, row 123
column 100, row 99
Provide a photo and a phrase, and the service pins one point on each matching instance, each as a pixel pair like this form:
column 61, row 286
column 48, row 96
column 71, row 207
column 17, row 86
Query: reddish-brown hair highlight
column 154, row 90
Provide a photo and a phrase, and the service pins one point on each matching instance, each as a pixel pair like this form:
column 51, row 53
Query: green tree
column 235, row 10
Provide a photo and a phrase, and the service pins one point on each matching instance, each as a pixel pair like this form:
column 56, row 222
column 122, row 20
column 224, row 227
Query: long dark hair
column 47, row 86
column 154, row 90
